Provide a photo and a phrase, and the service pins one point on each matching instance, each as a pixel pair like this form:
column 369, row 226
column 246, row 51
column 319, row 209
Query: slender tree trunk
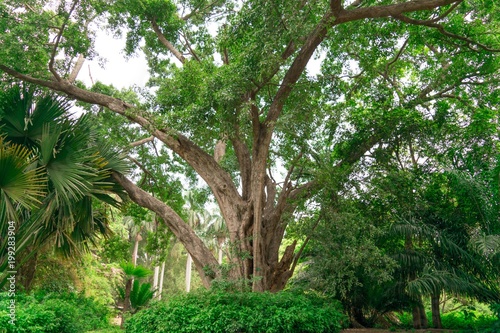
column 155, row 280
column 436, row 315
column 417, row 323
column 126, row 300
column 220, row 242
column 189, row 262
column 162, row 274
column 423, row 317
column 138, row 238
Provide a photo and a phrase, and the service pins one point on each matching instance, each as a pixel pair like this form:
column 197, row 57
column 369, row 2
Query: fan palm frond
column 140, row 294
column 21, row 183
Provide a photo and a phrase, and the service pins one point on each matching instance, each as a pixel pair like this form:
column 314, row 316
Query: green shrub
column 218, row 312
column 466, row 320
column 53, row 313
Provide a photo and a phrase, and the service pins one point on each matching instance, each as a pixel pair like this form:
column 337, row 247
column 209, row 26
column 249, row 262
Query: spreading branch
column 193, row 244
column 58, row 40
column 471, row 44
column 142, row 141
column 203, row 163
column 166, row 43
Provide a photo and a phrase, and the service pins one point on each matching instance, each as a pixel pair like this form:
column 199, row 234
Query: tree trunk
column 26, row 273
column 155, row 280
column 162, row 274
column 137, row 239
column 189, row 263
column 436, row 314
column 126, row 300
column 419, row 317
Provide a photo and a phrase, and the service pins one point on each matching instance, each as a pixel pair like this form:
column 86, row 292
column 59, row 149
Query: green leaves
column 215, row 312
column 22, row 183
column 53, row 167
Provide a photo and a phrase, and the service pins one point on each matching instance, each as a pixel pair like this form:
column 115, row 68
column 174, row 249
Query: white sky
column 117, row 71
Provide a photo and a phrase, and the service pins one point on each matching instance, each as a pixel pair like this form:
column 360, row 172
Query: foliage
column 54, row 313
column 65, row 169
column 140, row 295
column 212, row 312
column 466, row 318
column 115, row 249
column 390, row 71
column 342, row 260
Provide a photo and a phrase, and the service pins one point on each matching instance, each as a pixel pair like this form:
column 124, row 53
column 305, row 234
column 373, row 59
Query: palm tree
column 134, row 294
column 72, row 170
column 433, row 262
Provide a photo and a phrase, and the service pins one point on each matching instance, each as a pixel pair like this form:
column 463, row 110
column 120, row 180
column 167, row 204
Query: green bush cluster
column 219, row 312
column 461, row 320
column 53, row 313
column 464, row 319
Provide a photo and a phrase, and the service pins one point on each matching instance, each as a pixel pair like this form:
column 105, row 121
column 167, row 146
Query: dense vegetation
column 215, row 312
column 44, row 312
column 304, row 150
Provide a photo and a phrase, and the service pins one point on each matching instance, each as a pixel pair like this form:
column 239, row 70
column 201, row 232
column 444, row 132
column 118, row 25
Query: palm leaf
column 20, row 182
column 131, row 270
column 140, row 294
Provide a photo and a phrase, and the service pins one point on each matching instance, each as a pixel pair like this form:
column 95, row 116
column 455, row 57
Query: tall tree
column 237, row 104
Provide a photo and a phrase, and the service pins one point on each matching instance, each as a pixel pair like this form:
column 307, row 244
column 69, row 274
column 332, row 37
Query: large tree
column 238, row 105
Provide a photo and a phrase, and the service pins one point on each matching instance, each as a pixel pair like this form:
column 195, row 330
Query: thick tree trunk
column 419, row 317
column 436, row 314
column 26, row 273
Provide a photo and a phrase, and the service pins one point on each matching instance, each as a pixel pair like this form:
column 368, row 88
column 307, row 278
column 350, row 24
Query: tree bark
column 419, row 317
column 205, row 262
column 26, row 274
column 436, row 314
column 189, row 263
column 162, row 275
column 126, row 300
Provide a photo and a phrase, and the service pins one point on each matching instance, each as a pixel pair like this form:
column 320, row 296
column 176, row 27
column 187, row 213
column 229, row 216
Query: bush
column 466, row 320
column 53, row 313
column 218, row 312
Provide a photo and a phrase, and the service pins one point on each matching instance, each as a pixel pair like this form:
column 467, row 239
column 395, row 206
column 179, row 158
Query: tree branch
column 193, row 244
column 78, row 66
column 58, row 40
column 142, row 141
column 166, row 43
column 191, row 51
column 390, row 10
column 203, row 163
column 441, row 29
